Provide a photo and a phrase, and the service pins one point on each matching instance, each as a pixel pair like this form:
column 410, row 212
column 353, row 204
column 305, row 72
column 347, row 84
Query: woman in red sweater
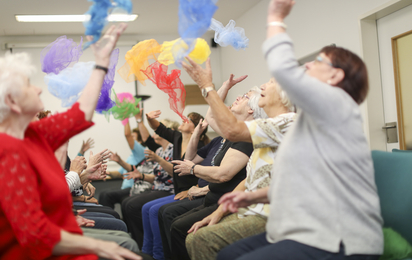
column 36, row 220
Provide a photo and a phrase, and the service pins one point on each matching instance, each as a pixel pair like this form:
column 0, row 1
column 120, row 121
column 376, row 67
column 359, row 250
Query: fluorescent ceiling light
column 72, row 18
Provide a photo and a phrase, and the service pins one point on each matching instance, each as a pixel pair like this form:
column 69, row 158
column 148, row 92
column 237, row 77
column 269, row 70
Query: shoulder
column 244, row 147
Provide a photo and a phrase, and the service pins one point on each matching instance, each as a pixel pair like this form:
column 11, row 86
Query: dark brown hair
column 195, row 117
column 355, row 82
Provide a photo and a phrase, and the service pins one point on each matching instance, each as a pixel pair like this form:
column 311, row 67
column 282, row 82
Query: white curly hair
column 13, row 69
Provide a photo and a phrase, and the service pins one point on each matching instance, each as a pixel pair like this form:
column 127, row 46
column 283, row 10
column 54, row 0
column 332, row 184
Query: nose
column 39, row 90
column 238, row 98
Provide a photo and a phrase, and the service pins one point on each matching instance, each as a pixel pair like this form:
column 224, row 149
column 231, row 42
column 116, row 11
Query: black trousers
column 182, row 224
column 100, row 209
column 110, row 197
column 257, row 247
column 132, row 212
column 167, row 213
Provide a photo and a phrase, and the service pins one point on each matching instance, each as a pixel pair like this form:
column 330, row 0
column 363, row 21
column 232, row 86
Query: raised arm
column 116, row 158
column 191, row 150
column 142, row 128
column 222, row 92
column 228, row 125
column 128, row 135
column 102, row 51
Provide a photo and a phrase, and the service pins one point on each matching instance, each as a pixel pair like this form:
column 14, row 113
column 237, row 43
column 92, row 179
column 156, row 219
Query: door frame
column 370, row 54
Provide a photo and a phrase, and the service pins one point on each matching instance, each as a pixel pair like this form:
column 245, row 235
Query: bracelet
column 142, row 176
column 80, row 154
column 101, row 68
column 280, row 24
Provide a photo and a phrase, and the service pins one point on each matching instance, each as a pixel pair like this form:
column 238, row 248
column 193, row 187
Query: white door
column 388, row 27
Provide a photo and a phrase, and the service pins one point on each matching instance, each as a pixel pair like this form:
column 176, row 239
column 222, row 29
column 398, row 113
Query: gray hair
column 170, row 124
column 13, row 67
column 285, row 99
column 258, row 112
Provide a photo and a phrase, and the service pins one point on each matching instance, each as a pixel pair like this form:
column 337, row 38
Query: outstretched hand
column 135, row 174
column 202, row 77
column 153, row 114
column 231, row 81
column 100, row 157
column 201, row 126
column 103, row 48
column 279, row 9
column 183, row 167
column 89, row 144
column 235, row 200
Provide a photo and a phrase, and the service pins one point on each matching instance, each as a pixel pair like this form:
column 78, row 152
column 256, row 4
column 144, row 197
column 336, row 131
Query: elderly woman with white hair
column 221, row 228
column 36, row 220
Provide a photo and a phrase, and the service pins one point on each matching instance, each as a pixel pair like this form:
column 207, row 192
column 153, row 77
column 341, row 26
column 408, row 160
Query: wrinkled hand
column 98, row 157
column 114, row 157
column 151, row 156
column 234, row 200
column 84, row 222
column 200, row 127
column 195, row 191
column 231, row 81
column 103, row 48
column 153, row 114
column 78, row 164
column 182, row 167
column 181, row 195
column 90, row 189
column 87, row 145
column 96, row 172
column 279, row 9
column 210, row 220
column 202, row 77
column 135, row 174
column 111, row 250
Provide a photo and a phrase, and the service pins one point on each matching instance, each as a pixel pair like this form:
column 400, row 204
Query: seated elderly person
column 224, row 174
column 323, row 197
column 35, row 203
column 222, row 227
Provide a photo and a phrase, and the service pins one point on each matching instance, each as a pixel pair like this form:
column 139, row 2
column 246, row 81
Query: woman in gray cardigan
column 323, row 197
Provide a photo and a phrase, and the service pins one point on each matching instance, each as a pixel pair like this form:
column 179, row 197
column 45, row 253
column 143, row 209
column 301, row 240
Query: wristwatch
column 206, row 90
column 192, row 170
column 139, row 120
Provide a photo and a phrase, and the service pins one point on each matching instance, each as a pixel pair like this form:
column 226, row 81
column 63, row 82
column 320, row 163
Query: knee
column 146, row 208
column 153, row 212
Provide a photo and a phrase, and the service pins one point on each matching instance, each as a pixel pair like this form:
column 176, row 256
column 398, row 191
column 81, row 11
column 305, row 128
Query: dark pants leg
column 257, row 247
column 101, row 209
column 181, row 225
column 132, row 212
column 110, row 197
column 167, row 214
column 109, row 223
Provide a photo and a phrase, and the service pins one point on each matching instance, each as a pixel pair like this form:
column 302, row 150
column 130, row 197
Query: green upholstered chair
column 393, row 176
column 401, row 151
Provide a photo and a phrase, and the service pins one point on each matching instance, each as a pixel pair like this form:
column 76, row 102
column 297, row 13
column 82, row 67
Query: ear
column 250, row 111
column 12, row 104
column 337, row 77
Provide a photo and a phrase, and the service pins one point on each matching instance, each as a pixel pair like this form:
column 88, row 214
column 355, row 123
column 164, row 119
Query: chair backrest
column 401, row 151
column 393, row 176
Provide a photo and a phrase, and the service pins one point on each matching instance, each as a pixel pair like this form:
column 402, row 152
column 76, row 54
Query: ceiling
column 155, row 16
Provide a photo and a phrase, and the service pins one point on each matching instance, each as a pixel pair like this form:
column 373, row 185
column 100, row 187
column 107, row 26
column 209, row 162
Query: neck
column 274, row 111
column 186, row 137
column 14, row 126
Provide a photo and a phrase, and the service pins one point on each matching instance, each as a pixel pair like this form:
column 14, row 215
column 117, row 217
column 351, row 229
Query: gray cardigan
column 323, row 189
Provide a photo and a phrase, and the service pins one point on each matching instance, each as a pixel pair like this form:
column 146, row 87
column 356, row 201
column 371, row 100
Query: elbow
column 231, row 134
column 222, row 178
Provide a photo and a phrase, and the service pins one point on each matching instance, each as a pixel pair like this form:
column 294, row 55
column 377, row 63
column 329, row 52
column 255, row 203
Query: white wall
column 110, row 134
column 312, row 24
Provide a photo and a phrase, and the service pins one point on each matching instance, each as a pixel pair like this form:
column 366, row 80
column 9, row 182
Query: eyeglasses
column 245, row 96
column 321, row 60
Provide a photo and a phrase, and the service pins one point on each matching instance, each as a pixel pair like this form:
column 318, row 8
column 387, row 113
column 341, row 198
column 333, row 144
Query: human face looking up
column 269, row 97
column 28, row 99
column 187, row 127
column 322, row 69
column 240, row 106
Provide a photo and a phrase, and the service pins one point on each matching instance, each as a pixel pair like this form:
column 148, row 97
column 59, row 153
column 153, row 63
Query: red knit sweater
column 35, row 201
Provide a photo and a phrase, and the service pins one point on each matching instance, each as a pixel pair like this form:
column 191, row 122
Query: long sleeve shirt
column 35, row 201
column 323, row 189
